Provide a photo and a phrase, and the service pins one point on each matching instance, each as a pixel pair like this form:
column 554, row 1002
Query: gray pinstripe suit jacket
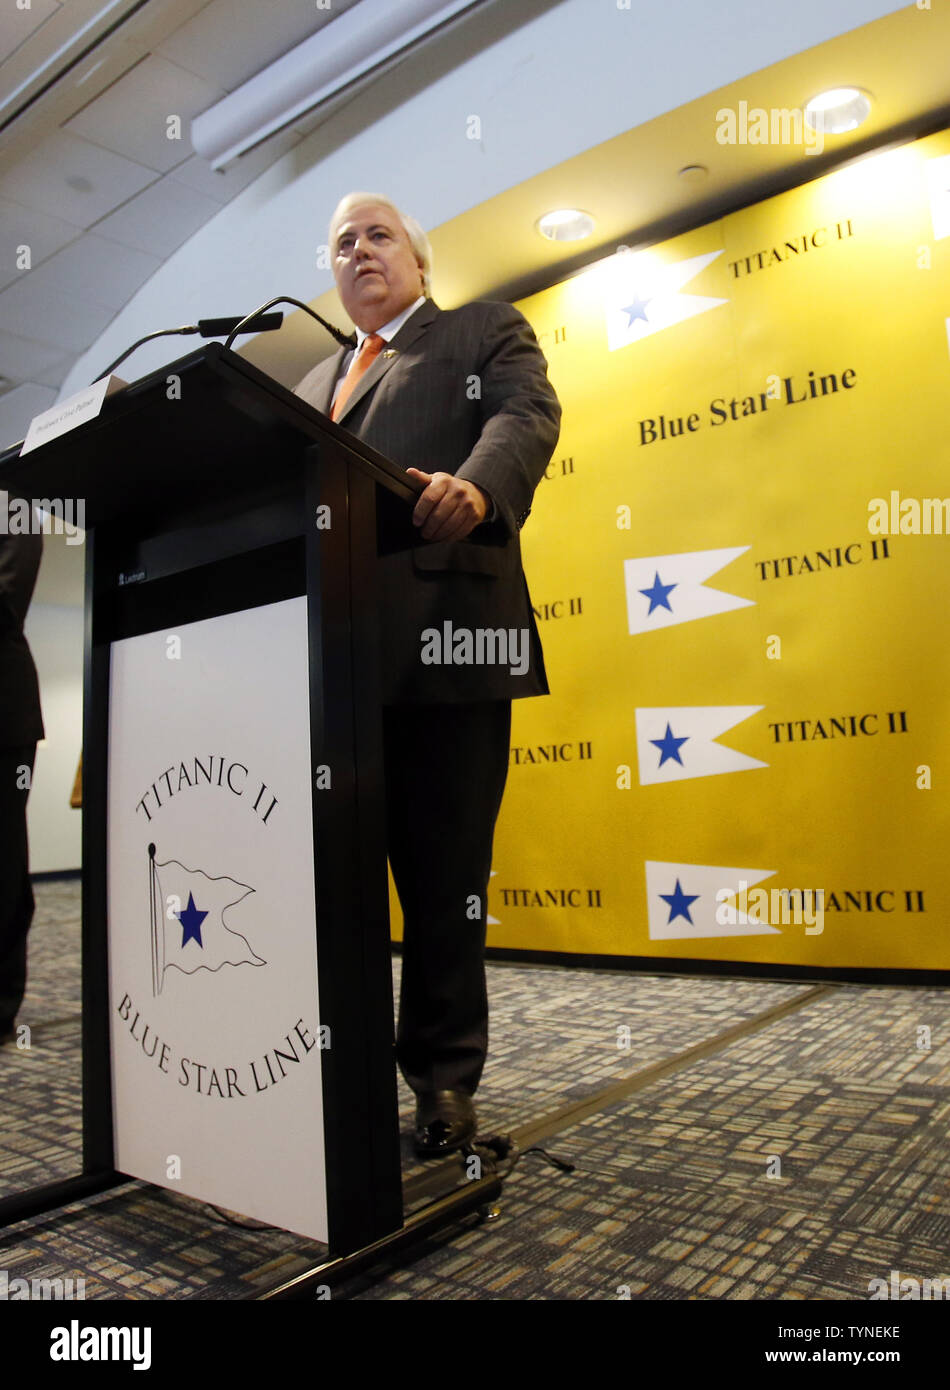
column 461, row 391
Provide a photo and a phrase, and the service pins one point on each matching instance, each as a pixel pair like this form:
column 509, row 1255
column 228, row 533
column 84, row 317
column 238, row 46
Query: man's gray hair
column 417, row 237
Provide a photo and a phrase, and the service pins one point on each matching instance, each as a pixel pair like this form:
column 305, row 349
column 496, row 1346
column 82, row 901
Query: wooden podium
column 231, row 654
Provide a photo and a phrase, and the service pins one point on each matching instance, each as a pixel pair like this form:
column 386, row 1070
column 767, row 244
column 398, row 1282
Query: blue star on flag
column 191, row 919
column 678, row 903
column 669, row 746
column 659, row 594
column 636, row 310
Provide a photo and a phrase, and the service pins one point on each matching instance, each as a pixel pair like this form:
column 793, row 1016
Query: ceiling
column 89, row 179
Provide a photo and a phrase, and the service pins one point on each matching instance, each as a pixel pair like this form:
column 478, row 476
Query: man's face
column 376, row 272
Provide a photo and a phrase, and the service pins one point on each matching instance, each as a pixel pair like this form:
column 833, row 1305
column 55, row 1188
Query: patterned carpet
column 796, row 1161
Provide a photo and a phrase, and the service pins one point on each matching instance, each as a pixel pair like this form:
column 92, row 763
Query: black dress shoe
column 444, row 1121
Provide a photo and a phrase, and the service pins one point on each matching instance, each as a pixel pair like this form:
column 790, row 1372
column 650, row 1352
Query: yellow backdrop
column 744, row 753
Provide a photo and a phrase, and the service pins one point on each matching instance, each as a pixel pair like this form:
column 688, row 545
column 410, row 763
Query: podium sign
column 216, row 1037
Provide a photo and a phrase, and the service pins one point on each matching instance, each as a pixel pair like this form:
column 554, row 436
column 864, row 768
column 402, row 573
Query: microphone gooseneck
column 344, row 339
column 208, row 328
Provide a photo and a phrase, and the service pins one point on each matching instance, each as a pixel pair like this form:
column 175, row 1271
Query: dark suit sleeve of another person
column 21, row 726
column 21, row 722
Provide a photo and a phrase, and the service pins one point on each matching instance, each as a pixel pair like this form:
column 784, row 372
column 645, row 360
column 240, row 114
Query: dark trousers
column 445, row 774
column 16, row 891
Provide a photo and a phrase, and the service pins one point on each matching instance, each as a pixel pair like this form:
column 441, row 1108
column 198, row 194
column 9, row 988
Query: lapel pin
column 390, row 352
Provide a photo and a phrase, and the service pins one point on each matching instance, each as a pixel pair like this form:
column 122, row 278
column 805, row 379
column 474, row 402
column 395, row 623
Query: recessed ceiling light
column 838, row 110
column 565, row 224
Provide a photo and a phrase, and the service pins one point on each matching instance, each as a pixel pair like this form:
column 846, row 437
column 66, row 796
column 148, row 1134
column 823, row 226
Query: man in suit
column 21, row 726
column 462, row 400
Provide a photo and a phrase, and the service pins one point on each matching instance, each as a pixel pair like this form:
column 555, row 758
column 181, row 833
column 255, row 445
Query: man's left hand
column 449, row 508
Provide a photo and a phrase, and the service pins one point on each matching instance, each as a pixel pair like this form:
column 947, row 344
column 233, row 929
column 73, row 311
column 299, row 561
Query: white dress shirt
column 387, row 333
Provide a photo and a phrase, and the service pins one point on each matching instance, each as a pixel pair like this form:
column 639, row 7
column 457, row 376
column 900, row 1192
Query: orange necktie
column 364, row 359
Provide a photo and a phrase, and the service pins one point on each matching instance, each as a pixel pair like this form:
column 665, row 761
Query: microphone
column 208, row 328
column 344, row 339
column 220, row 328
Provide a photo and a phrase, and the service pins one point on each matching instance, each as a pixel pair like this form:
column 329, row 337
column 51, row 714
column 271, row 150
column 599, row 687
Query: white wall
column 55, row 635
